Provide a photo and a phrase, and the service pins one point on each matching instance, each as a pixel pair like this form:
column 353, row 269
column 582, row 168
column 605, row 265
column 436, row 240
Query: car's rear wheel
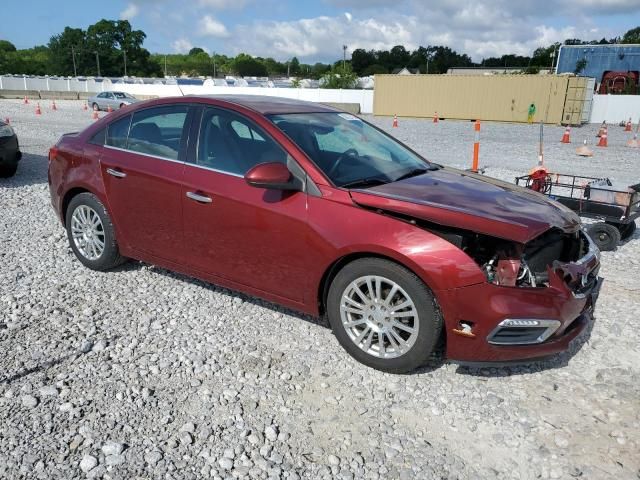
column 121, row 105
column 95, row 107
column 91, row 233
column 8, row 170
column 383, row 315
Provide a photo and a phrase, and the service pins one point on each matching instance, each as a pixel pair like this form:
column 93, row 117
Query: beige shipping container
column 504, row 98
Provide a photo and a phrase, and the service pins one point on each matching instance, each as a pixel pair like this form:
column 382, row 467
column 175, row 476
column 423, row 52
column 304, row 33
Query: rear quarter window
column 117, row 132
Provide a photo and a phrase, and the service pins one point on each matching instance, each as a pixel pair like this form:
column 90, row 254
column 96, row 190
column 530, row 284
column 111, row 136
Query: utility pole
column 344, row 57
column 73, row 56
column 165, row 66
column 288, row 76
column 214, row 64
column 125, row 61
column 98, row 62
column 553, row 57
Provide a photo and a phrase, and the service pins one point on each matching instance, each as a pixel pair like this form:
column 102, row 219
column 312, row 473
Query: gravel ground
column 142, row 373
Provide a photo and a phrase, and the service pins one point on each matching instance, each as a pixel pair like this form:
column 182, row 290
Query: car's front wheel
column 91, row 233
column 384, row 315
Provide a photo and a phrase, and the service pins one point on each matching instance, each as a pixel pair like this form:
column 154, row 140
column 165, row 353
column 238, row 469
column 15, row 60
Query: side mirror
column 272, row 175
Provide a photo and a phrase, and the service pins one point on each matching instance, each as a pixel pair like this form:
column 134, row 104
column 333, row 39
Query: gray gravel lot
column 142, row 373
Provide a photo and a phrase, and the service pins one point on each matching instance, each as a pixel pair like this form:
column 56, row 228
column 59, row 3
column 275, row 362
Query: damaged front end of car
column 538, row 296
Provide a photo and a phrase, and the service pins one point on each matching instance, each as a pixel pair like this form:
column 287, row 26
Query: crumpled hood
column 472, row 202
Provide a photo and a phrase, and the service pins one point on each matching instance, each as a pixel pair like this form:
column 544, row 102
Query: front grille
column 522, row 331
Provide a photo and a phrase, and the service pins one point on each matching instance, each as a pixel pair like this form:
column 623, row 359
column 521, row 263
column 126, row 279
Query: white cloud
column 129, row 12
column 322, row 36
column 480, row 29
column 211, row 27
column 222, row 4
column 182, row 45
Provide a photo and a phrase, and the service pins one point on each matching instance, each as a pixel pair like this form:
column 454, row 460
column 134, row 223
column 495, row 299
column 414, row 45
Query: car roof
column 265, row 104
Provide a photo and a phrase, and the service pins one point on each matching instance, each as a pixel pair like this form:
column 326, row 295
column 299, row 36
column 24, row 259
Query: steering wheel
column 351, row 152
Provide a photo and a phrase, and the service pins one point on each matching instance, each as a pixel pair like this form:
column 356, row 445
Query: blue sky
column 316, row 30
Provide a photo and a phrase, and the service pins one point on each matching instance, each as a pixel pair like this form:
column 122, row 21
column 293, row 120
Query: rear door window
column 158, row 131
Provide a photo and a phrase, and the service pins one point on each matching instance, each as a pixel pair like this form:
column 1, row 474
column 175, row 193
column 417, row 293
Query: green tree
column 247, row 66
column 6, row 46
column 374, row 69
column 195, row 51
column 318, row 70
column 399, row 56
column 632, row 36
column 580, row 66
column 64, row 48
column 362, row 59
column 108, row 41
column 340, row 77
column 294, row 66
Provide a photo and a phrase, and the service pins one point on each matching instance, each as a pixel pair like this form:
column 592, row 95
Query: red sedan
column 317, row 210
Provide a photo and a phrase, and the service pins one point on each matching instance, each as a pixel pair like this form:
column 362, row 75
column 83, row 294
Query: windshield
column 349, row 151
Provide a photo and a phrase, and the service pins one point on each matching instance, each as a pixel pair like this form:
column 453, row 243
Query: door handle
column 199, row 198
column 116, row 173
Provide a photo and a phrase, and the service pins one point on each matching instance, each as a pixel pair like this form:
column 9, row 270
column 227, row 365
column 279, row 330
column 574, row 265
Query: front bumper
column 9, row 150
column 497, row 315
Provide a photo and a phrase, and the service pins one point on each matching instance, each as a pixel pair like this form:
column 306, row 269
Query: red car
column 315, row 209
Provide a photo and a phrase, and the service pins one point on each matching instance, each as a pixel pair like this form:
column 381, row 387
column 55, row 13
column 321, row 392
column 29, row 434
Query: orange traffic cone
column 53, row 105
column 603, row 138
column 95, row 115
column 565, row 137
column 627, row 127
column 109, row 109
column 435, row 118
column 395, row 121
column 38, row 111
column 599, row 134
column 26, row 100
column 584, row 151
column 6, row 120
column 84, row 106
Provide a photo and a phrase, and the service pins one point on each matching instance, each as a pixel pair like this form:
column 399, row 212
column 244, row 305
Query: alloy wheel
column 379, row 316
column 87, row 232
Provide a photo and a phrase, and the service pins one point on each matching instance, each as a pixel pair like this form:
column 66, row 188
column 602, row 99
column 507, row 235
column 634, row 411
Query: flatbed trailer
column 616, row 209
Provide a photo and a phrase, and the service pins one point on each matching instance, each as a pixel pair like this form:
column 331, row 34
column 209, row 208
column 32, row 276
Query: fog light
column 522, row 331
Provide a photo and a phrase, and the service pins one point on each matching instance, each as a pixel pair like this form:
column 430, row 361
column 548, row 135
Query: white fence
column 323, row 95
column 362, row 97
column 615, row 108
column 54, row 84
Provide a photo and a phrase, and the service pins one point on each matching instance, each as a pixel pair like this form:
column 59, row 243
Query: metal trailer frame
column 575, row 193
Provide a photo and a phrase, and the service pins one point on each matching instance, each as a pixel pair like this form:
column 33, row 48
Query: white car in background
column 115, row 100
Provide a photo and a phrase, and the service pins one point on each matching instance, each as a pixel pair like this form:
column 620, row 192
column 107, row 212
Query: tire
column 426, row 323
column 605, row 236
column 96, row 107
column 626, row 230
column 109, row 257
column 9, row 170
column 121, row 105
